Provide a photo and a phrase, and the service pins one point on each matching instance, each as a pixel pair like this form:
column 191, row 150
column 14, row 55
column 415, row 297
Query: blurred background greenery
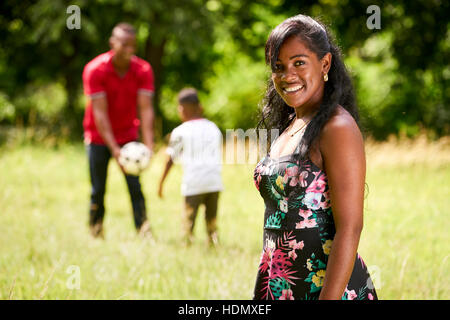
column 401, row 71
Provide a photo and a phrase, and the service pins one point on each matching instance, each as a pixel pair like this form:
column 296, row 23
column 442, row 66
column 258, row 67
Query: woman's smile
column 293, row 89
column 298, row 75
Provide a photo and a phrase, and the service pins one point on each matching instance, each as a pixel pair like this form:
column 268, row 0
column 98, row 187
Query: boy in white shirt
column 197, row 144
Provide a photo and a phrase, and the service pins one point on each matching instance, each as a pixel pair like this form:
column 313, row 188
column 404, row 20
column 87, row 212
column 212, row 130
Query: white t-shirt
column 197, row 144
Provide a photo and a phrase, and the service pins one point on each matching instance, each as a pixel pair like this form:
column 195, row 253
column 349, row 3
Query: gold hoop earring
column 325, row 77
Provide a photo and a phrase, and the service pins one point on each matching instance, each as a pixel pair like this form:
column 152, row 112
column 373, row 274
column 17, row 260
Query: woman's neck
column 305, row 113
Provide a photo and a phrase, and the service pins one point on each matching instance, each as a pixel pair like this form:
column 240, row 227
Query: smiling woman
column 312, row 181
column 298, row 75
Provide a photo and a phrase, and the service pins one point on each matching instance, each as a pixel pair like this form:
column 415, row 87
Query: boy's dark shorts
column 191, row 204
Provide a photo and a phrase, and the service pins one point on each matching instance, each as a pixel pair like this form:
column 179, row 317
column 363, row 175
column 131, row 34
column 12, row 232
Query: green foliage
column 7, row 109
column 235, row 93
column 400, row 72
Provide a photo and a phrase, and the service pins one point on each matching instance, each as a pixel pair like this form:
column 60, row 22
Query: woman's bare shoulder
column 341, row 119
column 340, row 130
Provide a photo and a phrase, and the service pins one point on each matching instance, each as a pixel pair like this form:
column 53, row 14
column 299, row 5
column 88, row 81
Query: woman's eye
column 299, row 63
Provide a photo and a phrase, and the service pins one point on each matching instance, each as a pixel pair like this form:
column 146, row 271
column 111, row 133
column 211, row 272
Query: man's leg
column 191, row 204
column 211, row 200
column 138, row 204
column 98, row 156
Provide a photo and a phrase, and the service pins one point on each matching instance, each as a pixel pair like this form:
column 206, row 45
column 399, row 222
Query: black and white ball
column 134, row 157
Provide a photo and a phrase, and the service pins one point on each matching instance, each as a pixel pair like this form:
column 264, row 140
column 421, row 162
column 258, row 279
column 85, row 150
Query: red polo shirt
column 101, row 79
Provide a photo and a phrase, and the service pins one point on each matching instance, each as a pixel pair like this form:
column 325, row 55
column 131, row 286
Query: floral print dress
column 298, row 233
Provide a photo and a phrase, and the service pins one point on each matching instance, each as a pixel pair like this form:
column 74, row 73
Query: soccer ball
column 134, row 157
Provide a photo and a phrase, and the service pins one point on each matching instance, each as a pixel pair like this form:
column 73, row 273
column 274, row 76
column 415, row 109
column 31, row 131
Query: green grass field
column 47, row 252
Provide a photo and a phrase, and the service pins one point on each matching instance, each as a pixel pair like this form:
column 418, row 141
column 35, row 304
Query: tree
column 400, row 71
column 39, row 47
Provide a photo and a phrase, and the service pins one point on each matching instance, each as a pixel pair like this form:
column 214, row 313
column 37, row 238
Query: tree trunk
column 154, row 54
column 71, row 125
column 72, row 117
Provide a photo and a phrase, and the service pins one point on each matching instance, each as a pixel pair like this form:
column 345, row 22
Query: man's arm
column 100, row 110
column 147, row 116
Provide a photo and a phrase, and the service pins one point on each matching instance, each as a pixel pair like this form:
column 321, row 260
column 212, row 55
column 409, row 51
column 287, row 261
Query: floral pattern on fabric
column 298, row 234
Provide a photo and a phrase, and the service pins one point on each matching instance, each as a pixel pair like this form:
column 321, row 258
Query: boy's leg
column 138, row 203
column 191, row 204
column 211, row 200
column 98, row 156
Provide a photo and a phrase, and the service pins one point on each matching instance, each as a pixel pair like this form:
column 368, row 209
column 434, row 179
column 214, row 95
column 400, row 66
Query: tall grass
column 45, row 244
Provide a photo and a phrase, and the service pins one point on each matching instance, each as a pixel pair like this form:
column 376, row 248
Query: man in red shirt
column 119, row 87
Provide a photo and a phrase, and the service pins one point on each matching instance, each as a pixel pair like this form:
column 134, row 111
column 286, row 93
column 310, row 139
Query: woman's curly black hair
column 338, row 90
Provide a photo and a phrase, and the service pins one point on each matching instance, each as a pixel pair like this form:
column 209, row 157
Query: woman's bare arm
column 342, row 150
